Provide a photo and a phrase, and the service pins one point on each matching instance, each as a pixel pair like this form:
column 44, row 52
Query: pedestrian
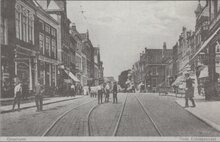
column 115, row 92
column 89, row 91
column 107, row 92
column 17, row 95
column 73, row 90
column 25, row 90
column 189, row 94
column 39, row 96
column 100, row 90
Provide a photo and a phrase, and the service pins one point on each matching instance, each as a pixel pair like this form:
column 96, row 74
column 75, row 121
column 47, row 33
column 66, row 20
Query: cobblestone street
column 170, row 118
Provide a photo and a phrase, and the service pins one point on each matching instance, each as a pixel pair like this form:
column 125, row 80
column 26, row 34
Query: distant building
column 88, row 51
column 98, row 68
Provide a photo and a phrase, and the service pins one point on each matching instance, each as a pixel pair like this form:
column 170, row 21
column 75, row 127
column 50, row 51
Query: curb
column 206, row 121
column 32, row 106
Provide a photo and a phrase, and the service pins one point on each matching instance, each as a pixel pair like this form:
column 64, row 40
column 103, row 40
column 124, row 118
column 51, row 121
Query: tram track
column 89, row 131
column 149, row 120
column 149, row 116
column 48, row 130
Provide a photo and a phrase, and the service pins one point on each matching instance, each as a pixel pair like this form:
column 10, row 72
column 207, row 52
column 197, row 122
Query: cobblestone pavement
column 31, row 123
column 104, row 118
column 134, row 121
column 172, row 119
column 74, row 123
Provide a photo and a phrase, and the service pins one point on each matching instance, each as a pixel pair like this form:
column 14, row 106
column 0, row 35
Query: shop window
column 154, row 82
column 42, row 72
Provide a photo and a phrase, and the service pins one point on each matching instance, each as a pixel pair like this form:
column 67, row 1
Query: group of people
column 19, row 91
column 73, row 89
column 104, row 90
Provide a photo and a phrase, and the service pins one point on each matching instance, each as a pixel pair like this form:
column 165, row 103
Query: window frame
column 43, row 45
column 47, row 42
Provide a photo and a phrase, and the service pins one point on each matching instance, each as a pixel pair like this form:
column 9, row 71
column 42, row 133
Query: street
column 85, row 114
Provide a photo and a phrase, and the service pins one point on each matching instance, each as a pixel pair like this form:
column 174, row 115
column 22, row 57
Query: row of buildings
column 193, row 51
column 40, row 43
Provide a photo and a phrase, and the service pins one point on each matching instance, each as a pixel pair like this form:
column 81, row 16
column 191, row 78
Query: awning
column 206, row 43
column 72, row 76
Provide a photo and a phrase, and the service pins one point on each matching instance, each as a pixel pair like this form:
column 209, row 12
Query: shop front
column 47, row 72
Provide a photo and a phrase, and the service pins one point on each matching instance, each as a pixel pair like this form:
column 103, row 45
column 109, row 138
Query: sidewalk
column 47, row 101
column 207, row 111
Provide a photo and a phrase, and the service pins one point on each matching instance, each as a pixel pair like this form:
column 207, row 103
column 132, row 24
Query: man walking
column 107, row 92
column 73, row 90
column 189, row 91
column 115, row 91
column 39, row 96
column 100, row 93
column 17, row 95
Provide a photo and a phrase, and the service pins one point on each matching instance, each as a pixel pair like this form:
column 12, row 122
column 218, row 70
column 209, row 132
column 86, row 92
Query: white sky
column 123, row 28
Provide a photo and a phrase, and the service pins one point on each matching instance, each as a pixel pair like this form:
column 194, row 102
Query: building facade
column 88, row 51
column 46, row 43
column 18, row 46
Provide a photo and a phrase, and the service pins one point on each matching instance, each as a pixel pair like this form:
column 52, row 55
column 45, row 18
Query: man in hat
column 39, row 96
column 17, row 95
column 115, row 91
column 100, row 91
column 189, row 91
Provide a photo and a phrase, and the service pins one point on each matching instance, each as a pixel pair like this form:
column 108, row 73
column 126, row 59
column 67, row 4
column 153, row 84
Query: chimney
column 73, row 26
column 87, row 34
column 164, row 46
column 145, row 50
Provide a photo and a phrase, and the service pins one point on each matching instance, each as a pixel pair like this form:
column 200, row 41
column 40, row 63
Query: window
column 47, row 49
column 24, row 17
column 26, row 28
column 41, row 43
column 217, row 47
column 53, row 32
column 53, row 46
column 218, row 6
column 47, row 28
column 31, row 28
column 18, row 22
column 4, row 31
column 41, row 24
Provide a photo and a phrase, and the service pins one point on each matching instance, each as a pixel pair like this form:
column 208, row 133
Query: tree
column 123, row 78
